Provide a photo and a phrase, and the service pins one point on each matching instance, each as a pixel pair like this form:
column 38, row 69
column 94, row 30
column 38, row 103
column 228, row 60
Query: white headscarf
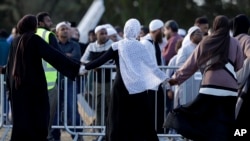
column 187, row 39
column 138, row 71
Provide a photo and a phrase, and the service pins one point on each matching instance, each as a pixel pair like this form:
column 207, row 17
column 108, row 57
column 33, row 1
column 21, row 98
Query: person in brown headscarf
column 26, row 81
column 210, row 116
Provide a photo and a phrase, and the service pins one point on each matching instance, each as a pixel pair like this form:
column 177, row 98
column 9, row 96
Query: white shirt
column 95, row 47
column 149, row 46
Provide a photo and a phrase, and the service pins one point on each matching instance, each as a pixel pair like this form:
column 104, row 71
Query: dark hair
column 201, row 20
column 172, row 24
column 92, row 31
column 240, row 24
column 26, row 27
column 118, row 29
column 145, row 29
column 40, row 16
column 27, row 24
column 3, row 33
column 73, row 24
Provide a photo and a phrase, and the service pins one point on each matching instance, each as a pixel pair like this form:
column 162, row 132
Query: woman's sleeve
column 58, row 60
column 188, row 68
column 100, row 60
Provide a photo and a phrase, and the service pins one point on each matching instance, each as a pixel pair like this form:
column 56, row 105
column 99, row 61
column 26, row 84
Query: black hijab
column 240, row 25
column 216, row 46
column 26, row 27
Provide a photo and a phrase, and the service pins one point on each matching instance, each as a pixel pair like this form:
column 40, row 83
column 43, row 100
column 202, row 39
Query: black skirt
column 242, row 121
column 207, row 118
column 129, row 116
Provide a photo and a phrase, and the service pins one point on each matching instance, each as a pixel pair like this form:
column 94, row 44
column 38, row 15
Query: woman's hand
column 82, row 70
column 170, row 94
column 172, row 81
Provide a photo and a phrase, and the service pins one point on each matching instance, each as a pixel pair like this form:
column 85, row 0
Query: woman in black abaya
column 130, row 117
column 27, row 84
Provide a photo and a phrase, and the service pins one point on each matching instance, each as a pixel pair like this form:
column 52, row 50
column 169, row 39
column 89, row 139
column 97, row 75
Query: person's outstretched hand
column 82, row 70
column 172, row 81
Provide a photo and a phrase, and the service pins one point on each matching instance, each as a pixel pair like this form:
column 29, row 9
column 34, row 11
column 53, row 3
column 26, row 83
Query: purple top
column 215, row 82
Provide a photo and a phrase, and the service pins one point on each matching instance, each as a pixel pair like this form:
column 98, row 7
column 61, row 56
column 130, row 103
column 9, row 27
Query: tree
column 119, row 11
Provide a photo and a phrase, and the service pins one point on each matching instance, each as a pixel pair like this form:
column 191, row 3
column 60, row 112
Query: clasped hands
column 169, row 82
column 82, row 70
column 167, row 86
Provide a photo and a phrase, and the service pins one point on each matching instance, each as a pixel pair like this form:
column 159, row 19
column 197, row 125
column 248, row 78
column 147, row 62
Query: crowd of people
column 206, row 110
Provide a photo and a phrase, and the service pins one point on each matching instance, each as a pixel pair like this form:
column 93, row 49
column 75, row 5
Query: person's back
column 27, row 83
column 130, row 87
column 4, row 47
column 218, row 56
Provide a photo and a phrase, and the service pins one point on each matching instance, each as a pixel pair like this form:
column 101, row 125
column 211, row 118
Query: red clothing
column 169, row 50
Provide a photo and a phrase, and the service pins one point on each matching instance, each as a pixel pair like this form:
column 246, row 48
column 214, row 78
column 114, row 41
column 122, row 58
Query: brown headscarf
column 26, row 28
column 215, row 48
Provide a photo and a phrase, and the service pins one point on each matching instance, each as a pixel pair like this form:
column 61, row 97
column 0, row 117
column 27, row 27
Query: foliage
column 118, row 11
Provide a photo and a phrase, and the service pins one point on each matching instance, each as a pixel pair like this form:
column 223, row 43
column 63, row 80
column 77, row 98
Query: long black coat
column 30, row 104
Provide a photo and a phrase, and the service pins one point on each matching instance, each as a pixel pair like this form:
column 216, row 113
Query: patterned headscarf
column 139, row 72
column 132, row 29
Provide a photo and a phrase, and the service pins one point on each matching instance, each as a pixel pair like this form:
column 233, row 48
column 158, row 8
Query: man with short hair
column 93, row 51
column 152, row 43
column 44, row 26
column 171, row 33
column 202, row 23
column 153, row 39
column 43, row 30
column 72, row 50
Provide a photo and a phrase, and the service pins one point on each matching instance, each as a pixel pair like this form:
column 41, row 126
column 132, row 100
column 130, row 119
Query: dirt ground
column 64, row 137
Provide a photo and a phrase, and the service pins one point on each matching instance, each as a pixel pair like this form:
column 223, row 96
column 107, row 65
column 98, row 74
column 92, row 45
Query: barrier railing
column 1, row 99
column 89, row 95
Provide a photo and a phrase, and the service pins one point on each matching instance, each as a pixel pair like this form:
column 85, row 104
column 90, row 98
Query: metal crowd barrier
column 85, row 92
column 1, row 99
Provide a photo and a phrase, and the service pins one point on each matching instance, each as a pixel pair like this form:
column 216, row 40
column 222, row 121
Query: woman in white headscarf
column 187, row 91
column 129, row 115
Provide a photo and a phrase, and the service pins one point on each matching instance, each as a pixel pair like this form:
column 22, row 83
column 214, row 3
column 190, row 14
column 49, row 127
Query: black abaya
column 29, row 102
